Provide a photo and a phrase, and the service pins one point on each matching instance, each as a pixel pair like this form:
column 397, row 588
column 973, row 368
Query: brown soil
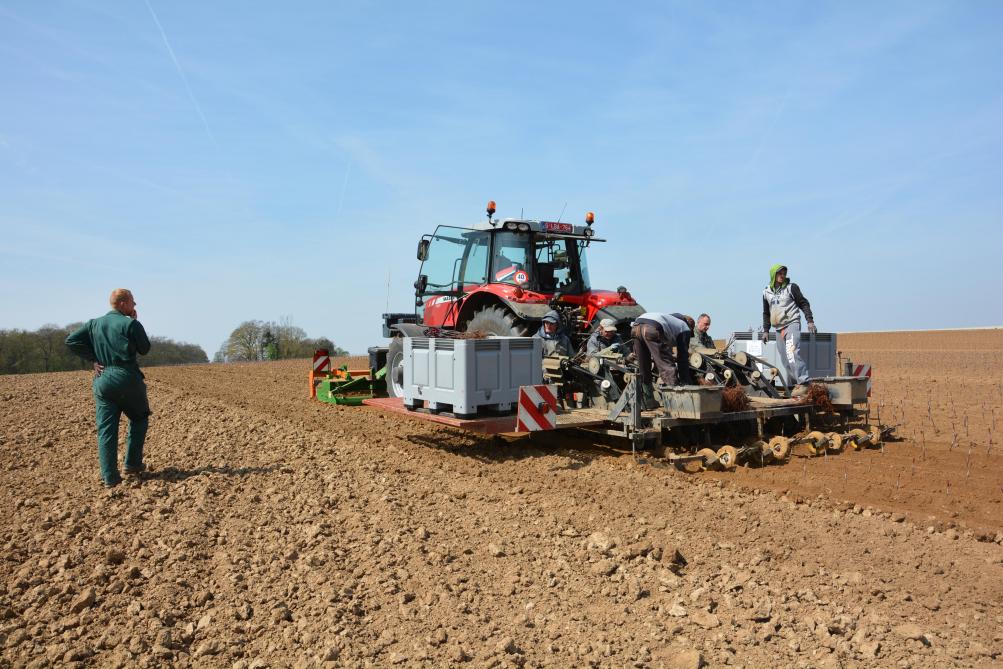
column 945, row 392
column 278, row 531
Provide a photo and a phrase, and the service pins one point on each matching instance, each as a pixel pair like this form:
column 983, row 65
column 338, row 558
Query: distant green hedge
column 44, row 350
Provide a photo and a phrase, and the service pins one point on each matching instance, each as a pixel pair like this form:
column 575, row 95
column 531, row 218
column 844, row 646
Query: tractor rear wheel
column 498, row 321
column 395, row 368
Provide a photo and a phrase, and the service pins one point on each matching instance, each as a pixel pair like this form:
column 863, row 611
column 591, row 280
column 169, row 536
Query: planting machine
column 464, row 358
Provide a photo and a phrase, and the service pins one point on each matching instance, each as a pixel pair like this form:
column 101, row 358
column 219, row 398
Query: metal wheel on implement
column 858, row 438
column 709, row 457
column 728, row 457
column 780, row 448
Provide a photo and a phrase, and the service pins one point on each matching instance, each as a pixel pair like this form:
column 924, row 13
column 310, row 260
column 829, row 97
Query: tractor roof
column 550, row 228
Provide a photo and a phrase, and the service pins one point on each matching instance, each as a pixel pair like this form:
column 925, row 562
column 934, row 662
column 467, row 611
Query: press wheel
column 728, row 457
column 709, row 457
column 696, row 360
column 816, row 442
column 780, row 448
column 858, row 438
column 741, row 357
column 835, row 442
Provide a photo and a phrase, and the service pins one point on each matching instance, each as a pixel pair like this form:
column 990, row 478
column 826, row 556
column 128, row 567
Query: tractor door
column 455, row 262
column 560, row 267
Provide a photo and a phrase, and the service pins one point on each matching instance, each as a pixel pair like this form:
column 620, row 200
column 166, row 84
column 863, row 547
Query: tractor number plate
column 550, row 226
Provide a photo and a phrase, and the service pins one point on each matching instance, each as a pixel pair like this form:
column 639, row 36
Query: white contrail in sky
column 181, row 72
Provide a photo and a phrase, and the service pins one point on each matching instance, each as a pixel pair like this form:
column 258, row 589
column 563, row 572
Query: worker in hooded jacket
column 555, row 339
column 783, row 304
column 111, row 342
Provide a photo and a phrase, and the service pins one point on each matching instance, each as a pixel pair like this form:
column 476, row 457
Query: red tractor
column 501, row 277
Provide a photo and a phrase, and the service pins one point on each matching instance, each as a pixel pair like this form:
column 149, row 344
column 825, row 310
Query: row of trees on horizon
column 261, row 340
column 44, row 349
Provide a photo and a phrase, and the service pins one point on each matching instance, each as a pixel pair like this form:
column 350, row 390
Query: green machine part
column 352, row 390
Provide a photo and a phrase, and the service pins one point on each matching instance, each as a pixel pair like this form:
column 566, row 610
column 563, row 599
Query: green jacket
column 112, row 340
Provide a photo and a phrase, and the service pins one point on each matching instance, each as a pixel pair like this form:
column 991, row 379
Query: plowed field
column 277, row 531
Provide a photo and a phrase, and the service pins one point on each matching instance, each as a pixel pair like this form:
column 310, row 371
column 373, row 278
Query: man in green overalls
column 111, row 342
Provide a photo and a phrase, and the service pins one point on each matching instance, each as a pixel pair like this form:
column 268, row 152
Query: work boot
column 648, row 401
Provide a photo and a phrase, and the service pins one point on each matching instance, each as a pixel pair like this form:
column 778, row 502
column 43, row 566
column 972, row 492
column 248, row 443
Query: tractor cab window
column 554, row 267
column 560, row 265
column 446, row 251
column 510, row 259
column 583, row 264
column 475, row 264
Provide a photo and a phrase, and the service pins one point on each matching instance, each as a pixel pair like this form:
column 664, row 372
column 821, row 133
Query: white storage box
column 817, row 350
column 464, row 376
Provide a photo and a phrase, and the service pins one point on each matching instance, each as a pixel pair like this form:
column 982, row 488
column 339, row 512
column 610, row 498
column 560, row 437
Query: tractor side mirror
column 423, row 250
column 421, row 284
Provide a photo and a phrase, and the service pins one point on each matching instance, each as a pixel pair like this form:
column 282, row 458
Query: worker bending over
column 604, row 336
column 111, row 342
column 782, row 307
column 555, row 340
column 654, row 336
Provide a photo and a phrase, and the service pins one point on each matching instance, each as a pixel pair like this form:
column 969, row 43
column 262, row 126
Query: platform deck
column 486, row 424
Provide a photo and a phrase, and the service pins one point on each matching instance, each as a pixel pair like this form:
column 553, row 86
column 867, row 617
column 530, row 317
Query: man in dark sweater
column 783, row 304
column 111, row 342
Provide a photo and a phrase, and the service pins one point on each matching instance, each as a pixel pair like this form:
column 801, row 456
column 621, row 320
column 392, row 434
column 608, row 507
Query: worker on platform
column 654, row 336
column 701, row 338
column 555, row 340
column 783, row 304
column 111, row 343
column 604, row 337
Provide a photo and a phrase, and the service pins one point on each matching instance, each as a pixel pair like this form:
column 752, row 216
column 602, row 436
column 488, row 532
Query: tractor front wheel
column 497, row 321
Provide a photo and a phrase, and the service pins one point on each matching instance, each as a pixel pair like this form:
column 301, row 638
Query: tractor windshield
column 534, row 262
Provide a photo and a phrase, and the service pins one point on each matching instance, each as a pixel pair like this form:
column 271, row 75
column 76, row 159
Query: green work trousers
column 119, row 390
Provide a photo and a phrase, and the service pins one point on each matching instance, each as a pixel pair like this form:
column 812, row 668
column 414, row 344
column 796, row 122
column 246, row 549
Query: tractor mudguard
column 620, row 313
column 410, row 329
column 535, row 312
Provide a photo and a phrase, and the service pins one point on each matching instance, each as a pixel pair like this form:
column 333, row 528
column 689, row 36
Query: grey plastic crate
column 692, row 401
column 846, row 390
column 818, row 351
column 465, row 376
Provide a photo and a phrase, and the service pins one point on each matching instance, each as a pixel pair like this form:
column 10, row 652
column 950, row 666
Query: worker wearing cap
column 654, row 336
column 782, row 307
column 111, row 342
column 701, row 338
column 604, row 336
column 555, row 340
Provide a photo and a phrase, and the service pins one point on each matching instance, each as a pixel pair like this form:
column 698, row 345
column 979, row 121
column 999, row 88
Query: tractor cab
column 501, row 276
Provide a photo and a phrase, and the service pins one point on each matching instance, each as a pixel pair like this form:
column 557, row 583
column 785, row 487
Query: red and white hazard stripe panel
column 321, row 366
column 537, row 408
column 321, row 362
column 864, row 370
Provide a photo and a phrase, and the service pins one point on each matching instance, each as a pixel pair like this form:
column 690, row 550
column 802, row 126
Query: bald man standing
column 111, row 342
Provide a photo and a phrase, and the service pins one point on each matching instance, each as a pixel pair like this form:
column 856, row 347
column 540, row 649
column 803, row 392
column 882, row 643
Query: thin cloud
column 181, row 72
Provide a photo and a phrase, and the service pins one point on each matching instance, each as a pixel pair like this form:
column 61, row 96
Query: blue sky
column 231, row 161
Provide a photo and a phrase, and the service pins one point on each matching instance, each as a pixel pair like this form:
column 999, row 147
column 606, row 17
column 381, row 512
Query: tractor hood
column 598, row 304
column 620, row 306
